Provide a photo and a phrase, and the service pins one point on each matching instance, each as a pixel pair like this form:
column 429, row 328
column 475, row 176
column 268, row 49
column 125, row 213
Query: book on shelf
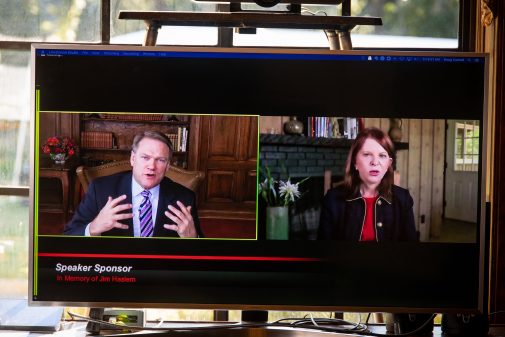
column 97, row 140
column 174, row 139
column 133, row 117
column 333, row 127
column 184, row 141
column 179, row 139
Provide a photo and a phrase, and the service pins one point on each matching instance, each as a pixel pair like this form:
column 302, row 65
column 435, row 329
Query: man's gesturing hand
column 185, row 225
column 110, row 216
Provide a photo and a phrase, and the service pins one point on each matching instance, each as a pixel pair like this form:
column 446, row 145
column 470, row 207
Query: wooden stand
column 337, row 28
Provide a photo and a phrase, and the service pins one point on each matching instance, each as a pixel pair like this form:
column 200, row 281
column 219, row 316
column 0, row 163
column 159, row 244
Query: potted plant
column 59, row 148
column 278, row 195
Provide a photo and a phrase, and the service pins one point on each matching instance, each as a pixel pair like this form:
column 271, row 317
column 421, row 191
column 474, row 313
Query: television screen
column 258, row 178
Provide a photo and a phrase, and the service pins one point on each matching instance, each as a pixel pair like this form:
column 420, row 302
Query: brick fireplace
column 298, row 157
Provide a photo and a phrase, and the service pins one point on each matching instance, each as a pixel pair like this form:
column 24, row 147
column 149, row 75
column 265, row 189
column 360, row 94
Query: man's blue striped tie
column 146, row 215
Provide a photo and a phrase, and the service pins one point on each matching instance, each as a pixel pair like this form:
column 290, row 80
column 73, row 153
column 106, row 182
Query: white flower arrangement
column 279, row 193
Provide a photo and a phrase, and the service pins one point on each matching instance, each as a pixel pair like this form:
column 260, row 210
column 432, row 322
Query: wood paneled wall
column 273, row 124
column 227, row 154
column 58, row 124
column 420, row 169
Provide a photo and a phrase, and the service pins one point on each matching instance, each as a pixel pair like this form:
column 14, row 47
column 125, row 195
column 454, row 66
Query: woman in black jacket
column 367, row 206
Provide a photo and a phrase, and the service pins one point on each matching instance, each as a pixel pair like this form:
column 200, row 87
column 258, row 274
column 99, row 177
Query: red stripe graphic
column 183, row 257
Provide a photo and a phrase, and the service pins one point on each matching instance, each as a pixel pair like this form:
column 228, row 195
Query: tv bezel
column 484, row 184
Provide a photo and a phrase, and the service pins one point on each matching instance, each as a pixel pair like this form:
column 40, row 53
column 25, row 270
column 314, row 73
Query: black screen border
column 479, row 303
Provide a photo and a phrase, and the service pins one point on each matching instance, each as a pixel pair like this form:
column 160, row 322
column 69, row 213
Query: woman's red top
column 368, row 232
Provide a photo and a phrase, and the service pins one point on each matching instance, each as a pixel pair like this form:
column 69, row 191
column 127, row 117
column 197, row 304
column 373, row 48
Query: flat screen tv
column 241, row 117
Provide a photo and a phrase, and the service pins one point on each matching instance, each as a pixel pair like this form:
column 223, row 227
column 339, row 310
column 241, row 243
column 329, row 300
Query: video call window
column 299, row 168
column 209, row 157
column 313, row 160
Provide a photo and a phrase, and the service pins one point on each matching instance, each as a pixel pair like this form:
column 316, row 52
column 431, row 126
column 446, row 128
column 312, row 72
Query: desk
column 77, row 329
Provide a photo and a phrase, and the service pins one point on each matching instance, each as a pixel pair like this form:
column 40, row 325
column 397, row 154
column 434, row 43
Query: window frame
column 464, row 164
column 466, row 42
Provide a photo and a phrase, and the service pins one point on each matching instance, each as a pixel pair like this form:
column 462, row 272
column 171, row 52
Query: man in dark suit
column 142, row 202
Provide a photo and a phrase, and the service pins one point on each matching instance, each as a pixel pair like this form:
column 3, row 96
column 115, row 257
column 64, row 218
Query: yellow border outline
column 36, row 176
column 36, row 196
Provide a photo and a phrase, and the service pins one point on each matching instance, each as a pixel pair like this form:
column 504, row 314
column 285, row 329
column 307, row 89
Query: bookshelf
column 108, row 137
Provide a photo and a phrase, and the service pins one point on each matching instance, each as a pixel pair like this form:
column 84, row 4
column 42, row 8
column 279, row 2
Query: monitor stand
column 92, row 327
column 254, row 316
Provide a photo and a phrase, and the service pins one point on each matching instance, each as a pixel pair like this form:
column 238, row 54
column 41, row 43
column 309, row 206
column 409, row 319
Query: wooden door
column 461, row 185
column 227, row 153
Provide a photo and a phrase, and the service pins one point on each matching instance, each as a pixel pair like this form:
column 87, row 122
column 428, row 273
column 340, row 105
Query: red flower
column 53, row 141
column 55, row 145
